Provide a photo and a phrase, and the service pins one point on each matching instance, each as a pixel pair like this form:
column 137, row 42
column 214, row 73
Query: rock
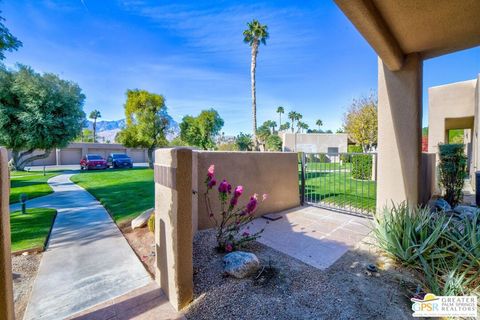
column 442, row 205
column 466, row 212
column 142, row 219
column 240, row 264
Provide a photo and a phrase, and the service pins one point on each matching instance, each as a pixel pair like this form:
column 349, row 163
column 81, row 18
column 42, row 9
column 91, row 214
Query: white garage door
column 70, row 156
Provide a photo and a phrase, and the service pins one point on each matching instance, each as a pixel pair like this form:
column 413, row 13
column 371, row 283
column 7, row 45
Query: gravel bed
column 294, row 290
column 25, row 269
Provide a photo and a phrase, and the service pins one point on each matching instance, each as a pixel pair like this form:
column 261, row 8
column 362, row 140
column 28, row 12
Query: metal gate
column 341, row 181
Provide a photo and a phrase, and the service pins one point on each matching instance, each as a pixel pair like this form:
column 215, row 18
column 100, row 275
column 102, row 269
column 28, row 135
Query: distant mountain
column 107, row 130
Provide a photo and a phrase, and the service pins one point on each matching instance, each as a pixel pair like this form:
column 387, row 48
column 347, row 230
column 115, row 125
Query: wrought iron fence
column 340, row 181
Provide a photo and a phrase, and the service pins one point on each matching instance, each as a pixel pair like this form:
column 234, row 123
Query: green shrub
column 362, row 166
column 274, row 143
column 452, row 171
column 151, row 223
column 347, row 158
column 444, row 252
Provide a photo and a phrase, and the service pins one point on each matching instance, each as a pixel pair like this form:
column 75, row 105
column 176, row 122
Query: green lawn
column 30, row 230
column 340, row 189
column 32, row 183
column 125, row 193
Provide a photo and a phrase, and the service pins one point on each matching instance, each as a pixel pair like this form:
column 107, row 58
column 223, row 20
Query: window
column 332, row 150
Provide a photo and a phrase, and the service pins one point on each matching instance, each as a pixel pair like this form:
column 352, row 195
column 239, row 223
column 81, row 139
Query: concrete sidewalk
column 87, row 261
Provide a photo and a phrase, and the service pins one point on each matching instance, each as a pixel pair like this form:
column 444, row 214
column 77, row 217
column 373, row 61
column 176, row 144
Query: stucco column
column 6, row 283
column 173, row 224
column 399, row 132
column 58, row 156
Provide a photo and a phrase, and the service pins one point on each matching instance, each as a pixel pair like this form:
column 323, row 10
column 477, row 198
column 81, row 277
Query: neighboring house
column 455, row 106
column 75, row 151
column 330, row 143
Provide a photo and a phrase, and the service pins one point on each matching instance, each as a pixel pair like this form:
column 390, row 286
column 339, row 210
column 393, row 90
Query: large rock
column 442, row 205
column 466, row 212
column 142, row 219
column 240, row 264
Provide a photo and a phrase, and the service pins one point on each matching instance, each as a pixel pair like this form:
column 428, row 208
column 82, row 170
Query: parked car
column 93, row 161
column 119, row 160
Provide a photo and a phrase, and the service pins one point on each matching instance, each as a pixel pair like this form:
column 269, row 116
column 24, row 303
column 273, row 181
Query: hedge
column 452, row 171
column 362, row 166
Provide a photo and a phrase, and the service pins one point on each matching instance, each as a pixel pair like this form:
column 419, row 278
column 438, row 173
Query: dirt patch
column 142, row 242
column 25, row 269
column 290, row 289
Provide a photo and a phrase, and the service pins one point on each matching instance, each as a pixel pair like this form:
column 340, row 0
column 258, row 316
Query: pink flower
column 228, row 247
column 264, row 197
column 211, row 171
column 224, row 187
column 245, row 233
column 236, row 194
column 252, row 204
column 211, row 183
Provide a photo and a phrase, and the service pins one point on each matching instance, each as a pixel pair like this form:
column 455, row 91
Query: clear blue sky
column 315, row 62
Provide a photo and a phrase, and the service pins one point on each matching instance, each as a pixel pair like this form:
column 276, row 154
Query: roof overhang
column 396, row 28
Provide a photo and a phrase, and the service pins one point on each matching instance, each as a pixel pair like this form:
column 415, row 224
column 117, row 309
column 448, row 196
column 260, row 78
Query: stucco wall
column 314, row 142
column 273, row 173
column 74, row 151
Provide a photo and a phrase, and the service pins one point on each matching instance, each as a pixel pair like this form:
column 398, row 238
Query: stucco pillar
column 399, row 132
column 173, row 224
column 6, row 283
column 58, row 156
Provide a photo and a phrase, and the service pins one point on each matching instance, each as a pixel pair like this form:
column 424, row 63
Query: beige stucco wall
column 6, row 285
column 399, row 132
column 273, row 173
column 314, row 142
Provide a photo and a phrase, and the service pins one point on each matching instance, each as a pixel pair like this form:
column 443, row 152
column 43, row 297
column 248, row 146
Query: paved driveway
column 87, row 261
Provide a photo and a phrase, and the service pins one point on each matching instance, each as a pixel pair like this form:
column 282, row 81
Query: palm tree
column 273, row 125
column 298, row 117
column 292, row 115
column 319, row 123
column 94, row 115
column 280, row 110
column 255, row 35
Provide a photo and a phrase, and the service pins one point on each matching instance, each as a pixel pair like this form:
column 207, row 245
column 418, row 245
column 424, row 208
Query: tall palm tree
column 319, row 123
column 273, row 125
column 94, row 115
column 292, row 115
column 280, row 110
column 255, row 35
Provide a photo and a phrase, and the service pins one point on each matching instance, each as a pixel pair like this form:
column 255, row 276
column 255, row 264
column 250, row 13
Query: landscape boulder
column 466, row 212
column 142, row 219
column 442, row 205
column 240, row 264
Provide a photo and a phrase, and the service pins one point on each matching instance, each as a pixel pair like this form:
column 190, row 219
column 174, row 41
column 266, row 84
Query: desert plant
column 151, row 223
column 452, row 171
column 232, row 229
column 444, row 251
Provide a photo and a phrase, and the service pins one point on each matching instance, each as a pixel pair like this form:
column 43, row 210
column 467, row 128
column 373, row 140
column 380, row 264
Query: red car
column 93, row 161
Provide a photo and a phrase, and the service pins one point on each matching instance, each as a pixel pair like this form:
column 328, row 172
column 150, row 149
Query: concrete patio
column 315, row 236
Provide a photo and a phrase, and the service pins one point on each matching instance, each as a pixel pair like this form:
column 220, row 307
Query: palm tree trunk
column 94, row 129
column 254, row 95
column 280, row 121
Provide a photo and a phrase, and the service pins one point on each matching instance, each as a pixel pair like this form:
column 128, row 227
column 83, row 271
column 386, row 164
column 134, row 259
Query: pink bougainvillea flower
column 264, row 197
column 228, row 247
column 224, row 187
column 211, row 171
column 236, row 194
column 211, row 183
column 245, row 233
column 252, row 204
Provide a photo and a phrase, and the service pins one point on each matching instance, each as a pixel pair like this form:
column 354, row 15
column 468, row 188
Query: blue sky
column 315, row 62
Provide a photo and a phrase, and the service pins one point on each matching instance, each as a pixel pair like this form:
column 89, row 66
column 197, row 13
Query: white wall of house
column 315, row 142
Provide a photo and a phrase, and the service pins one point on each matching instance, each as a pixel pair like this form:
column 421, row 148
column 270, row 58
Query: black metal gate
column 341, row 181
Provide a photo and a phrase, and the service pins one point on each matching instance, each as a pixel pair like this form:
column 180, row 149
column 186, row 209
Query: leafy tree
column 329, row 131
column 200, row 131
column 319, row 124
column 285, row 126
column 228, row 146
column 85, row 136
column 263, row 132
column 273, row 143
column 280, row 111
column 37, row 112
column 147, row 122
column 7, row 41
column 244, row 142
column 255, row 35
column 361, row 122
column 94, row 115
column 177, row 142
